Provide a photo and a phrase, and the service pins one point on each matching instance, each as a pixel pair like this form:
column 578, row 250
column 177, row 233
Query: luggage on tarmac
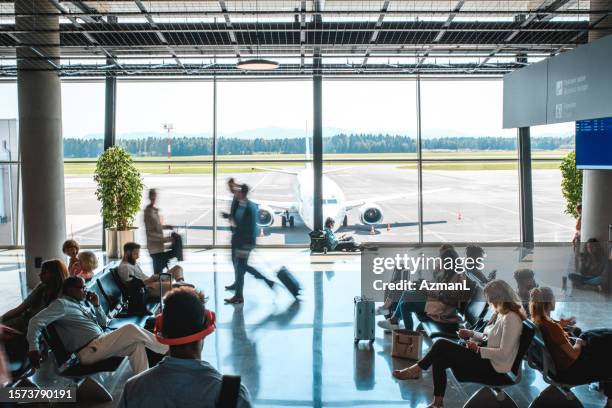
column 318, row 241
column 289, row 281
column 365, row 319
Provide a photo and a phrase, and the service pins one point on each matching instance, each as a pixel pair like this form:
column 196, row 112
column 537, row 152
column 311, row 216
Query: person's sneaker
column 380, row 310
column 387, row 325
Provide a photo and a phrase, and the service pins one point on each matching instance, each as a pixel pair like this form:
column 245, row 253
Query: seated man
column 181, row 379
column 342, row 242
column 80, row 323
column 129, row 268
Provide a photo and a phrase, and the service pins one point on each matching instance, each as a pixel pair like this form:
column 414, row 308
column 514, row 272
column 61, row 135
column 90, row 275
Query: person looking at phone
column 80, row 323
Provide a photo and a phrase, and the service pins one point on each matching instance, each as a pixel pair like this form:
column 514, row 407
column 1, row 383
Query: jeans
column 240, row 259
column 411, row 302
column 160, row 261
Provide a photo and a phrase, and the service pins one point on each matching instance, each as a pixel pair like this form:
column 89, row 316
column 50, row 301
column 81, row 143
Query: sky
column 471, row 108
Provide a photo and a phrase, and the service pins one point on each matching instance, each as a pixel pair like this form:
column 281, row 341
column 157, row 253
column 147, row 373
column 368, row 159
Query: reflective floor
column 302, row 353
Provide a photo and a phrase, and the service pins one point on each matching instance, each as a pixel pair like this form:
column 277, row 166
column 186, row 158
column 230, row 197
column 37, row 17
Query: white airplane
column 334, row 203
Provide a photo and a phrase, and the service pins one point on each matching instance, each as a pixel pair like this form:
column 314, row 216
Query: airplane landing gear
column 284, row 221
column 287, row 219
column 291, row 221
column 345, row 221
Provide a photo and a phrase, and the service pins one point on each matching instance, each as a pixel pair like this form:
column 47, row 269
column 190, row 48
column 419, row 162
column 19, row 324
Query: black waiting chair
column 493, row 394
column 68, row 366
column 559, row 392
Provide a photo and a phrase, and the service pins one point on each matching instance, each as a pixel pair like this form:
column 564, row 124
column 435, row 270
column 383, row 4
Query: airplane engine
column 265, row 216
column 370, row 214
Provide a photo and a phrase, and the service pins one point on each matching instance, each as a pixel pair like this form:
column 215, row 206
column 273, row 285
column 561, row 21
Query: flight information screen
column 594, row 144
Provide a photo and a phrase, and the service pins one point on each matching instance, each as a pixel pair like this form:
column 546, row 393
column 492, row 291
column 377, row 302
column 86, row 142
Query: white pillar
column 40, row 134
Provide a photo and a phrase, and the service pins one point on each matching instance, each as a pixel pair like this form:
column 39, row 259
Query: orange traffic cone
column 388, row 227
column 261, row 232
column 372, row 231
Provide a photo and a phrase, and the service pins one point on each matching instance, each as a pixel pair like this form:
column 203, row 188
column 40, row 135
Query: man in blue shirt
column 80, row 323
column 342, row 243
column 244, row 237
column 181, row 379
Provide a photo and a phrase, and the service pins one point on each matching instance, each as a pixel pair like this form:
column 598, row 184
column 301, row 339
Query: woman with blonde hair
column 89, row 262
column 71, row 248
column 475, row 363
column 587, row 360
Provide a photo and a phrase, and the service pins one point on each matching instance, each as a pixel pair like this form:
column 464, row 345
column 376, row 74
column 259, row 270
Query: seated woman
column 475, row 363
column 439, row 305
column 342, row 242
column 590, row 264
column 588, row 360
column 88, row 262
column 70, row 248
column 52, row 275
column 475, row 252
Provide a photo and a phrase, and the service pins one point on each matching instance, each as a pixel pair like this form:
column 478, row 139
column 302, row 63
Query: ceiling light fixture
column 257, row 64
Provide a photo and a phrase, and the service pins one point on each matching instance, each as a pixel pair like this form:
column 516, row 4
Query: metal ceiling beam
column 302, row 33
column 374, row 37
column 159, row 34
column 449, row 20
column 86, row 9
column 543, row 13
column 230, row 27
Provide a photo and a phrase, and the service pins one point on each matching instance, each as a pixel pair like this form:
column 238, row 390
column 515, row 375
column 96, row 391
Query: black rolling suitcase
column 318, row 241
column 290, row 282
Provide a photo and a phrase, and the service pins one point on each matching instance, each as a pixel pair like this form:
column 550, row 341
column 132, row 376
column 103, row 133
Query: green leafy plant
column 119, row 188
column 571, row 184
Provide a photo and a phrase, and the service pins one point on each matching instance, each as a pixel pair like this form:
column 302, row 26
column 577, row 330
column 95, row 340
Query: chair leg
column 553, row 396
column 487, row 398
column 91, row 390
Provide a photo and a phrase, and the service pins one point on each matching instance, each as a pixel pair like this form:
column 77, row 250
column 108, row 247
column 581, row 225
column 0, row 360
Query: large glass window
column 167, row 127
column 369, row 144
column 9, row 169
column 83, row 135
column 263, row 128
column 470, row 179
column 549, row 144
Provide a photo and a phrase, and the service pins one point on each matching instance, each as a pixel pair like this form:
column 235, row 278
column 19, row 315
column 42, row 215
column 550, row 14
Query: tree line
column 341, row 143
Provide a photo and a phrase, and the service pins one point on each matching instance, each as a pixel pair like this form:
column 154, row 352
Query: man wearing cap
column 181, row 379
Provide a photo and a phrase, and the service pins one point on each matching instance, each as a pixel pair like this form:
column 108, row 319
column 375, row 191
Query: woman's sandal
column 402, row 375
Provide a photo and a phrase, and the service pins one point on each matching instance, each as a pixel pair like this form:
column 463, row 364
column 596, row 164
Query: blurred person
column 476, row 362
column 342, row 242
column 181, row 379
column 475, row 252
column 5, row 372
column 577, row 361
column 591, row 264
column 52, row 275
column 525, row 281
column 156, row 239
column 439, row 305
column 244, row 238
column 89, row 262
column 80, row 322
column 71, row 248
column 130, row 268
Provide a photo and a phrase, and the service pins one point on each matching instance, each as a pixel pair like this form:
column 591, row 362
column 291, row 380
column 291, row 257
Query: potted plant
column 119, row 191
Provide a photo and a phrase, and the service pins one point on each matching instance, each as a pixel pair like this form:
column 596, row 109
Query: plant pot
column 116, row 239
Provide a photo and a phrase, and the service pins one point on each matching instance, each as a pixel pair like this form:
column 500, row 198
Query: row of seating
column 474, row 315
column 112, row 295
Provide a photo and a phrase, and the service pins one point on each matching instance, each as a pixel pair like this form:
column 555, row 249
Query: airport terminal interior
column 243, row 203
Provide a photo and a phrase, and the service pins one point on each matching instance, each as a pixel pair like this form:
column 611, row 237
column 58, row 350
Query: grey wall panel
column 580, row 83
column 525, row 96
column 572, row 86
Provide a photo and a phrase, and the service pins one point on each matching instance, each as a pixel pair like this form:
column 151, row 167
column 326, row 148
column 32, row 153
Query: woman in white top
column 472, row 362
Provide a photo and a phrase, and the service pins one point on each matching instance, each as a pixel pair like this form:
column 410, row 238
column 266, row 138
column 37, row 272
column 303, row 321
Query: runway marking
column 535, row 218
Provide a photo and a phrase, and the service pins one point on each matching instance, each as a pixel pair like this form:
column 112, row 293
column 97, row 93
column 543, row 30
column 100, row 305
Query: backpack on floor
column 318, row 241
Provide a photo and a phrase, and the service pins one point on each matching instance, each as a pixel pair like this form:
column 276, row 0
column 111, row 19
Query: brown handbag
column 407, row 344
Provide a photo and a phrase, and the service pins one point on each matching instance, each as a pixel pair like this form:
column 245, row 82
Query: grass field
column 188, row 165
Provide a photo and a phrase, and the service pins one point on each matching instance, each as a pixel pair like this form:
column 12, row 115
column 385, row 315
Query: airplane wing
column 279, row 205
column 350, row 204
